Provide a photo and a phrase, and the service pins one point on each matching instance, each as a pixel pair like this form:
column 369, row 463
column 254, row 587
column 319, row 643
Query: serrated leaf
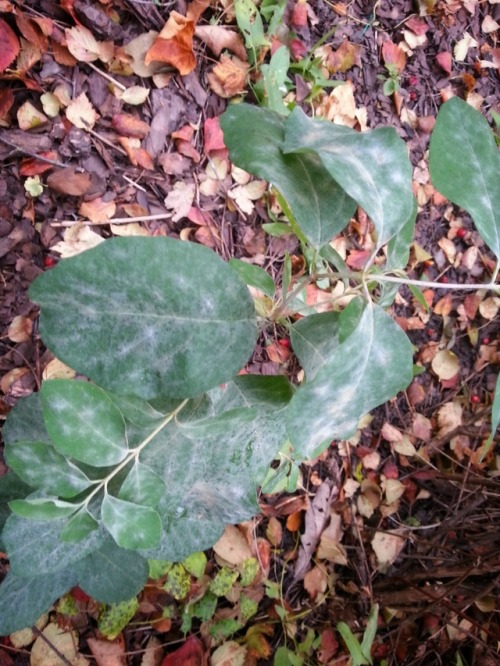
column 42, row 508
column 464, row 165
column 41, row 466
column 79, row 526
column 23, row 600
column 369, row 366
column 142, row 486
column 83, row 422
column 320, row 207
column 131, row 526
column 372, row 167
column 116, row 617
column 161, row 327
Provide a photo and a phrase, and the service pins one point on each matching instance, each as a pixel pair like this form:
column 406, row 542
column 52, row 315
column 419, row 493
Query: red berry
column 443, row 279
column 284, row 342
column 486, row 341
column 413, row 80
column 430, row 331
column 49, row 261
column 475, row 399
column 461, row 232
column 413, row 95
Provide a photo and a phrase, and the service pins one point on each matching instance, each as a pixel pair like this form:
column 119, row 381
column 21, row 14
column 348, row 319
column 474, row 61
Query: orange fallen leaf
column 213, row 138
column 128, row 125
column 10, row 45
column 346, row 56
column 174, row 44
column 98, row 210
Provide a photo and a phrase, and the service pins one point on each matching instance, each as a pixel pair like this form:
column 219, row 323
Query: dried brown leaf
column 10, row 45
column 220, row 37
column 68, row 181
column 174, row 44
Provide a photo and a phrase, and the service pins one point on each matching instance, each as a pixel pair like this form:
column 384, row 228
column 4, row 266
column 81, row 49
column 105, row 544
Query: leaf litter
column 404, row 513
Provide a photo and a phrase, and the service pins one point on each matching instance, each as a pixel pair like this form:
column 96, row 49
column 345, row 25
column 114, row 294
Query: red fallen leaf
column 174, row 44
column 329, row 646
column 299, row 14
column 32, row 32
column 213, row 137
column 128, row 125
column 394, row 55
column 79, row 595
column 256, row 643
column 417, row 25
column 33, row 167
column 188, row 150
column 68, row 181
column 444, row 61
column 186, row 133
column 189, row 654
column 391, row 470
column 199, row 217
column 10, row 45
column 297, row 48
column 277, row 353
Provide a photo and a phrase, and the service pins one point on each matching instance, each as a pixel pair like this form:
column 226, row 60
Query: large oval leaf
column 372, row 167
column 131, row 526
column 369, row 367
column 321, row 208
column 465, row 166
column 148, row 316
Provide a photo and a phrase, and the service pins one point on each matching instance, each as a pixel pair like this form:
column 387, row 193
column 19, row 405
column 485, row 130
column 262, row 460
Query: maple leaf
column 174, row 44
column 10, row 45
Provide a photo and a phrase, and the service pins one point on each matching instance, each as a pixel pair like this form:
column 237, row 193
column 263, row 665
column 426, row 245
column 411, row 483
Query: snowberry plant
column 165, row 443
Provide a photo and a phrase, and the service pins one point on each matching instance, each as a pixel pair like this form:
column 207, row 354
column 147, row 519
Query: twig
column 115, row 220
column 31, row 153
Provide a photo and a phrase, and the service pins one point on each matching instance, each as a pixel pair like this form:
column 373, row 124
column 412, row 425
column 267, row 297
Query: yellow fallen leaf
column 81, row 113
column 445, row 364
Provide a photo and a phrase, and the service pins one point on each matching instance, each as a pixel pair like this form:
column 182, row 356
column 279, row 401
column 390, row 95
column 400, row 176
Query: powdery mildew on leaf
column 369, row 367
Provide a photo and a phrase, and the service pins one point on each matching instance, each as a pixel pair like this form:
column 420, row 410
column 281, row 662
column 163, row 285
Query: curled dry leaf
column 84, row 46
column 445, row 364
column 219, row 37
column 20, row 329
column 10, row 45
column 174, row 44
column 131, row 126
column 229, row 77
column 98, row 210
column 77, row 239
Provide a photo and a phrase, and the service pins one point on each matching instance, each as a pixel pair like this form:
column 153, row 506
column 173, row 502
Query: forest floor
column 414, row 537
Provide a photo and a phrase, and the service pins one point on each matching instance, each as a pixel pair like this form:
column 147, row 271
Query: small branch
column 107, row 76
column 432, row 285
column 30, row 153
column 113, row 220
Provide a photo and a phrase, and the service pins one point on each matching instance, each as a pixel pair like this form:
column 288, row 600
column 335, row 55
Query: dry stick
column 31, row 153
column 115, row 220
column 107, row 76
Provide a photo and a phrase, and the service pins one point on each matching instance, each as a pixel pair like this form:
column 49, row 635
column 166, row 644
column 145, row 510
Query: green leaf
column 147, row 316
column 372, row 167
column 11, row 487
column 275, row 80
column 178, row 582
column 366, row 369
column 495, row 417
column 35, row 549
column 251, row 26
column 42, row 508
column 131, row 526
column 23, row 600
column 314, row 339
column 213, row 457
column 419, row 296
column 25, row 422
column 355, row 650
column 464, row 165
column 116, row 617
column 40, row 466
column 370, row 631
column 142, row 486
column 321, row 208
column 83, row 422
column 223, row 581
column 254, row 276
column 79, row 526
column 195, row 564
column 112, row 574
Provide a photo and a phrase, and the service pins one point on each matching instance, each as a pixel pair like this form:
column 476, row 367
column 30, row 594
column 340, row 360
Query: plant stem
column 134, row 453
